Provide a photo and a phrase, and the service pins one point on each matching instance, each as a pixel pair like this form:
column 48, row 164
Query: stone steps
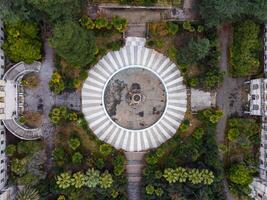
column 134, row 54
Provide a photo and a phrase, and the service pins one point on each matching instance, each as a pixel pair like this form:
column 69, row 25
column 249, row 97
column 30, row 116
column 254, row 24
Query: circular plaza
column 134, row 98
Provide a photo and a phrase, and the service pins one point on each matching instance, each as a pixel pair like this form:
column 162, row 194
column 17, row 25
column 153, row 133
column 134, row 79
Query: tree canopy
column 22, row 42
column 73, row 43
column 195, row 50
column 215, row 12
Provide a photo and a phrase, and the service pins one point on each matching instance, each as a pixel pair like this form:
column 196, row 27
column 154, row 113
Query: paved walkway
column 134, row 168
column 229, row 96
column 42, row 99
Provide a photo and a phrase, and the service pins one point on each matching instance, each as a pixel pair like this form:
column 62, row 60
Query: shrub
column 172, row 28
column 187, row 26
column 56, row 83
column 184, row 125
column 87, row 22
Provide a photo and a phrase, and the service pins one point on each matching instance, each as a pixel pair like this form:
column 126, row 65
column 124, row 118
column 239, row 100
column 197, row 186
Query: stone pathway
column 229, row 95
column 134, row 168
column 42, row 99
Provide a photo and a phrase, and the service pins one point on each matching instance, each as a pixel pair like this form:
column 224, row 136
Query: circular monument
column 134, row 98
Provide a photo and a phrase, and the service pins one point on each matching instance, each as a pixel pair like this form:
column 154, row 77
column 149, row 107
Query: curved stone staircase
column 134, row 54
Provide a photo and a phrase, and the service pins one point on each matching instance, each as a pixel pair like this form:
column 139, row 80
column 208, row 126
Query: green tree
column 150, row 189
column 58, row 10
column 198, row 133
column 22, row 42
column 105, row 180
column 195, row 50
column 233, row 134
column 195, row 176
column 56, row 85
column 245, row 50
column 159, row 192
column 208, row 176
column 105, row 149
column 101, row 23
column 169, row 175
column 18, row 166
column 215, row 12
column 119, row 23
column 77, row 158
column 172, row 28
column 240, row 174
column 28, row 193
column 74, row 143
column 181, row 174
column 11, row 149
column 63, row 180
column 92, row 178
column 78, row 180
column 73, row 43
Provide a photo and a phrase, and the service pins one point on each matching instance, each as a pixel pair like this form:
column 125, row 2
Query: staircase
column 134, row 168
column 136, row 30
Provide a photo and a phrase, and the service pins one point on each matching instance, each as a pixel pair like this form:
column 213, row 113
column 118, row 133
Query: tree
column 240, row 174
column 208, row 176
column 119, row 23
column 106, row 180
column 92, row 178
column 57, row 10
column 73, row 43
column 18, row 166
column 78, row 179
column 22, row 42
column 194, row 176
column 233, row 134
column 56, row 85
column 215, row 12
column 74, row 143
column 77, row 158
column 198, row 133
column 28, row 193
column 245, row 50
column 63, row 180
column 172, row 28
column 11, row 149
column 105, row 149
column 181, row 174
column 150, row 189
column 169, row 175
column 195, row 50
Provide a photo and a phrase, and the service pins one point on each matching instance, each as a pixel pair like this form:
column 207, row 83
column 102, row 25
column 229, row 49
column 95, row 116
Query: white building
column 258, row 107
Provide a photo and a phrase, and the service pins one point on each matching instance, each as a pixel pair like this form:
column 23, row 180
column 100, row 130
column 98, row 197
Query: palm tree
column 92, row 178
column 78, row 180
column 195, row 176
column 63, row 180
column 28, row 193
column 169, row 175
column 208, row 176
column 106, row 180
column 181, row 174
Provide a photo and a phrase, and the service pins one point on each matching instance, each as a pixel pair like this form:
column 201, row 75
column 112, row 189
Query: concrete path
column 229, row 95
column 134, row 167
